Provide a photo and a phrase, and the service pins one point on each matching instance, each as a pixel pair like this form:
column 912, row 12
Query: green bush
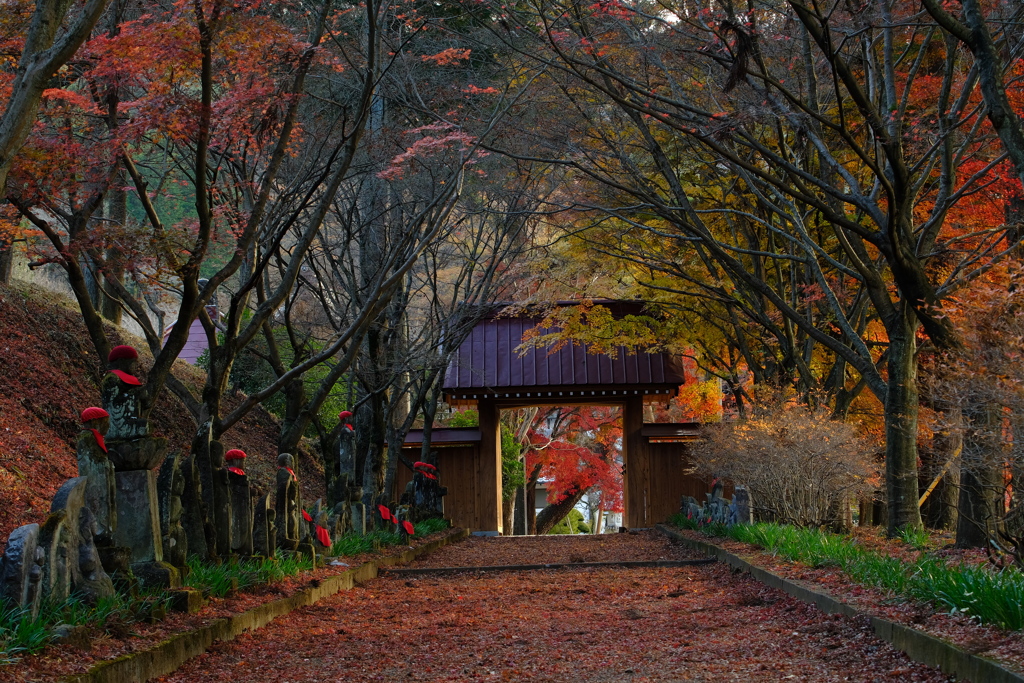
column 572, row 523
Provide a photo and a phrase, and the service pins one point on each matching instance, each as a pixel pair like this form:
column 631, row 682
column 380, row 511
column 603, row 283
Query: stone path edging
column 917, row 645
column 419, row 571
column 165, row 657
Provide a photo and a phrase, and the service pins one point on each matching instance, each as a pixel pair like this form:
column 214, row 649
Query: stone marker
column 222, row 509
column 193, row 521
column 286, row 504
column 263, row 527
column 170, row 485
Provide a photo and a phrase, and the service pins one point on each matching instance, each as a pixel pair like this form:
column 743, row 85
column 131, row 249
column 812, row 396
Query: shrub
column 800, row 467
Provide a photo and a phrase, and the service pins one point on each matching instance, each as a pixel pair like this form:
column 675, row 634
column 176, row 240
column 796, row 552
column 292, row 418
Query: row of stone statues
column 123, row 522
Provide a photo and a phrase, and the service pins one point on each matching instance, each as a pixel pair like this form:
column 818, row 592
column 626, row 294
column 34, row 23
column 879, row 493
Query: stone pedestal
column 157, row 575
column 138, row 518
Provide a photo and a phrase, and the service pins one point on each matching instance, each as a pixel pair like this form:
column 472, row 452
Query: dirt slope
column 49, row 372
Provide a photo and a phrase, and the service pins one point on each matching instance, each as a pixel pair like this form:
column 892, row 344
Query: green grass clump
column 21, row 634
column 988, row 596
column 355, row 544
column 220, row 579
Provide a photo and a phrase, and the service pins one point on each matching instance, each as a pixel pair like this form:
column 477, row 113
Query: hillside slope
column 49, row 372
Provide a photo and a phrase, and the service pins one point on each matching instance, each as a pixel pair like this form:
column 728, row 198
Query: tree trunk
column 981, row 485
column 508, row 513
column 556, row 512
column 939, row 510
column 117, row 213
column 6, row 262
column 901, row 413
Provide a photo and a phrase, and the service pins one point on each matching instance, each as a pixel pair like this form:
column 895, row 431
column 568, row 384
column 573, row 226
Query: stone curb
column 419, row 571
column 165, row 657
column 917, row 645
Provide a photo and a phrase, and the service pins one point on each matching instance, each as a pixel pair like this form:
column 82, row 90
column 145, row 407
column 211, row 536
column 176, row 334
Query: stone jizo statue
column 121, row 393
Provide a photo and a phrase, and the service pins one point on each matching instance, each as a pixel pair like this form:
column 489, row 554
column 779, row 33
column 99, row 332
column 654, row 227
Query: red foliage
column 583, row 454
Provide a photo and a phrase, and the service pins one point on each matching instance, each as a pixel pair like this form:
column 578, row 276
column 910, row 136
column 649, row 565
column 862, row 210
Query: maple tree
column 818, row 178
column 576, row 452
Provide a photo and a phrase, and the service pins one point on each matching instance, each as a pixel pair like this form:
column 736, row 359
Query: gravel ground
column 574, row 624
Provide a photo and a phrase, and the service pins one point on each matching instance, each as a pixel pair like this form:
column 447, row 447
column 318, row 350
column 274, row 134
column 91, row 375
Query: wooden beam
column 637, row 457
column 488, row 492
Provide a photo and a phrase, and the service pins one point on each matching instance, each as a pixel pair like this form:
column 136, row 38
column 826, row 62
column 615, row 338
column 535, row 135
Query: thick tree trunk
column 901, row 413
column 556, row 512
column 939, row 510
column 981, row 485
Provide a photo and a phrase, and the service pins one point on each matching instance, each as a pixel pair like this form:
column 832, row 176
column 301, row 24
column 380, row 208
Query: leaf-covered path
column 649, row 624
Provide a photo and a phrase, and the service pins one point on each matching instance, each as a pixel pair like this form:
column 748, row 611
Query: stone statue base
column 186, row 600
column 157, row 575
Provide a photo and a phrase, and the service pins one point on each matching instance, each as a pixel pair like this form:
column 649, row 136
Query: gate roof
column 487, row 365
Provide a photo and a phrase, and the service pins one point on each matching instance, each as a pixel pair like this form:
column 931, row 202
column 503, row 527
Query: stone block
column 157, row 575
column 186, row 600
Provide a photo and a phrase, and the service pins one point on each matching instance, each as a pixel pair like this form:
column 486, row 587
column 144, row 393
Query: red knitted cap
column 122, row 352
column 234, row 454
column 344, row 414
column 94, row 413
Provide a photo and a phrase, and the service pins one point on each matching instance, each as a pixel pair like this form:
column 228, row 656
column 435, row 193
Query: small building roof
column 487, row 364
column 443, row 436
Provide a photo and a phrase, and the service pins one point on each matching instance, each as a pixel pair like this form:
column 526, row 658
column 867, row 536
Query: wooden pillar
column 637, row 456
column 488, row 490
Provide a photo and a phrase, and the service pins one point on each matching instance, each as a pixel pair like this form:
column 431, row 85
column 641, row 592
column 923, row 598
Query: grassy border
column 919, row 646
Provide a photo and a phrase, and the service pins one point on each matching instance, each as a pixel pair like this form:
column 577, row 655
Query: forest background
column 821, row 204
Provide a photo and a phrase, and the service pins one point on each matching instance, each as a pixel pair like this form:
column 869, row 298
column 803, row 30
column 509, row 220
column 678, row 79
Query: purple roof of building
column 487, row 361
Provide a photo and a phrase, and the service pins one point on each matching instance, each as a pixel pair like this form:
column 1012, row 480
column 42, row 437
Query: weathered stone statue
column 344, row 467
column 121, row 391
column 21, row 569
column 287, row 504
column 96, row 467
column 740, row 511
column 71, row 563
column 91, row 581
column 423, row 493
column 357, row 510
column 241, row 503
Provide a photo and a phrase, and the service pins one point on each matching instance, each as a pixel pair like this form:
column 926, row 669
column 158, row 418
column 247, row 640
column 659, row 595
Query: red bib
column 99, row 439
column 126, row 378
